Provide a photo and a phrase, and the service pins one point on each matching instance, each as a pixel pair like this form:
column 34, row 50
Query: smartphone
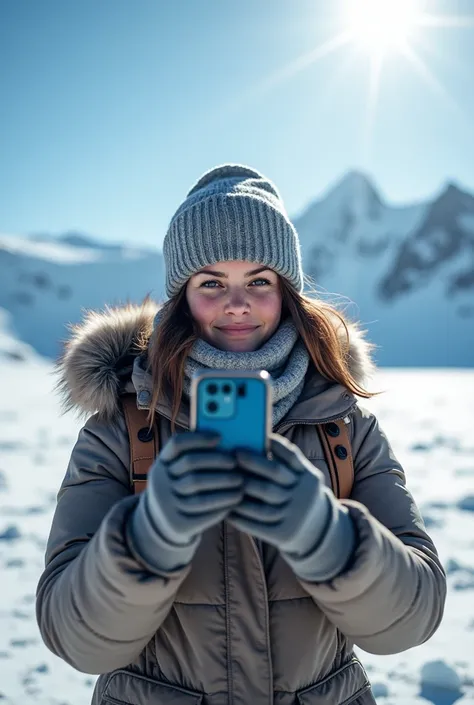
column 237, row 405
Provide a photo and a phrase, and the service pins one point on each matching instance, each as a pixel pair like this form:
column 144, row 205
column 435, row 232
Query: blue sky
column 111, row 109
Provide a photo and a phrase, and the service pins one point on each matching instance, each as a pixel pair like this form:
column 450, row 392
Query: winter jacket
column 236, row 627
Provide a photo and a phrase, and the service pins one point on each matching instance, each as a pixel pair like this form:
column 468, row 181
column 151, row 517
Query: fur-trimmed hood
column 99, row 358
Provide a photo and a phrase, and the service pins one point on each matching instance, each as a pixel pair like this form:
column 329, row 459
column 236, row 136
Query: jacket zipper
column 267, row 612
column 230, row 683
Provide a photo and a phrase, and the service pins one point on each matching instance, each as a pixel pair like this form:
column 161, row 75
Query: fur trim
column 98, row 358
column 361, row 364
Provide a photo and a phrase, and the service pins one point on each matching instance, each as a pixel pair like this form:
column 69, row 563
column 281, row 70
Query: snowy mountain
column 46, row 283
column 407, row 272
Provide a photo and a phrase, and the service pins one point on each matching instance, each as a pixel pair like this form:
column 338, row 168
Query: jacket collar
column 102, row 360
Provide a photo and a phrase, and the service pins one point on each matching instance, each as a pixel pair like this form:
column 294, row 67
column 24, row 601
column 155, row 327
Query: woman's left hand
column 284, row 501
column 287, row 503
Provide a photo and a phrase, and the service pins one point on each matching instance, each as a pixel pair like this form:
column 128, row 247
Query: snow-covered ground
column 428, row 416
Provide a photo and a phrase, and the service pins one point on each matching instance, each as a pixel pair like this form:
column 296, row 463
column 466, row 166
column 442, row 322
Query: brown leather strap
column 144, row 442
column 337, row 448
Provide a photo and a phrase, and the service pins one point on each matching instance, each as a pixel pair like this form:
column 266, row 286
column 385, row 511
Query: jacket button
column 332, row 429
column 145, row 434
column 144, row 396
column 341, row 452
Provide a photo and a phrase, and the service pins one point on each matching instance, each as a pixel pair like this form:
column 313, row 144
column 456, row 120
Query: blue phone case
column 236, row 405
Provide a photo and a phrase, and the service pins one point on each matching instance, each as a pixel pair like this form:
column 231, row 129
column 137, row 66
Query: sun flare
column 380, row 31
column 383, row 26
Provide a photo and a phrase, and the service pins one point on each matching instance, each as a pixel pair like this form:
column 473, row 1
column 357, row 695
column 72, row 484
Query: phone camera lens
column 212, row 407
column 212, row 388
column 227, row 389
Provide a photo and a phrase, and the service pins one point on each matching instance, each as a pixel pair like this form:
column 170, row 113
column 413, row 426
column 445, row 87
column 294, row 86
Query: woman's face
column 237, row 305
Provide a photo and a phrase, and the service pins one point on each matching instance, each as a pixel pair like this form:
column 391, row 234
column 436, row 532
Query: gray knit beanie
column 232, row 213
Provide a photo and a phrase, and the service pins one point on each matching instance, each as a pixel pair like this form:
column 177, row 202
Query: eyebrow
column 223, row 275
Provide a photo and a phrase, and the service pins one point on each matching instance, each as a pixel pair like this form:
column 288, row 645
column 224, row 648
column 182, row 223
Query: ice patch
column 466, row 503
column 440, row 683
column 380, row 690
column 11, row 533
column 453, row 566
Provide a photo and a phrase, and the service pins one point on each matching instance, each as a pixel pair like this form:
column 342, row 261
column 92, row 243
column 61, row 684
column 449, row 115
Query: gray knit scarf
column 284, row 356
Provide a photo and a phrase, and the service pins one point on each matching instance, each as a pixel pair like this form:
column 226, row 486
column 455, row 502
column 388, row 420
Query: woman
column 232, row 579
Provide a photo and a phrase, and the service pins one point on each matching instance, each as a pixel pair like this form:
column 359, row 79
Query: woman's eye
column 214, row 284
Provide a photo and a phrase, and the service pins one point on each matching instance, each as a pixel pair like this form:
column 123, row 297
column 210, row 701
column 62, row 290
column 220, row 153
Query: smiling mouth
column 237, row 330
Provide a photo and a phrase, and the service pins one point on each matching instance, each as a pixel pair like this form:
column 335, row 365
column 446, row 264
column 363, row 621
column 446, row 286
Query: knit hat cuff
column 226, row 227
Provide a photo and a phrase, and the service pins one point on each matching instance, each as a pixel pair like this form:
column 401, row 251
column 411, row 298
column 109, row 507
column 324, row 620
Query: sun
column 380, row 27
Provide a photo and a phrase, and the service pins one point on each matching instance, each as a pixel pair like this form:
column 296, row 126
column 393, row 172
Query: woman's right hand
column 191, row 486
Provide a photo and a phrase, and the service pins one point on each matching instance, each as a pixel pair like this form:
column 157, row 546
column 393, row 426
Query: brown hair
column 319, row 324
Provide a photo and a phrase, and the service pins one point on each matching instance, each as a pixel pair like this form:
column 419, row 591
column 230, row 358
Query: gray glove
column 191, row 487
column 288, row 504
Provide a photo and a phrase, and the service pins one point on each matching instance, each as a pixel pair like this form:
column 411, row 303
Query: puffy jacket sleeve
column 391, row 597
column 97, row 605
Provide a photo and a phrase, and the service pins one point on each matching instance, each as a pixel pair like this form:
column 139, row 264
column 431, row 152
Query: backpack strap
column 337, row 448
column 144, row 442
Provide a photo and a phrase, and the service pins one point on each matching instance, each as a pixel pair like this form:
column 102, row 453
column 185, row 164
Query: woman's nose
column 237, row 303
